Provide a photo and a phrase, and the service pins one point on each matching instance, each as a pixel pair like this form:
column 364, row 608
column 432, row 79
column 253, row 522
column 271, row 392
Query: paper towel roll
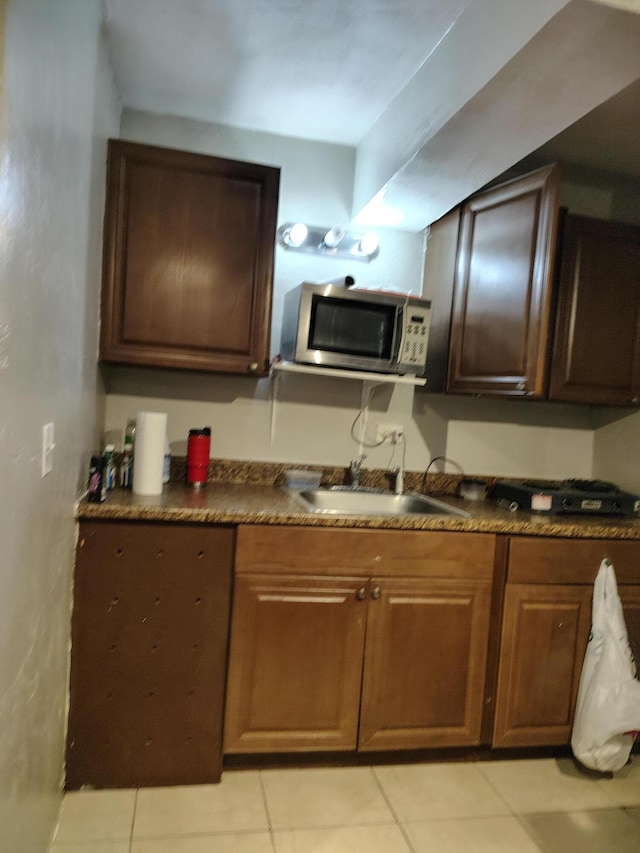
column 148, row 453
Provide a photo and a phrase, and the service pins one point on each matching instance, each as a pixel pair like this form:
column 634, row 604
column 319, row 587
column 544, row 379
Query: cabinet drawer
column 391, row 552
column 570, row 561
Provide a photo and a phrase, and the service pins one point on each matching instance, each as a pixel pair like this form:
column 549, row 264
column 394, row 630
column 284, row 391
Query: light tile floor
column 487, row 807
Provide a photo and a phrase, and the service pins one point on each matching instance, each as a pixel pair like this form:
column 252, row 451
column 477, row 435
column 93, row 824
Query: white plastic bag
column 608, row 708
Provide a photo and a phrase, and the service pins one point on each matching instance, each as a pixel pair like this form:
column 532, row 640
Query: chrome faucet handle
column 356, row 464
column 354, row 469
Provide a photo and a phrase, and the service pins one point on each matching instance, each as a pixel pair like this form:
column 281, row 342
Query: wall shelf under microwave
column 337, row 373
column 369, row 381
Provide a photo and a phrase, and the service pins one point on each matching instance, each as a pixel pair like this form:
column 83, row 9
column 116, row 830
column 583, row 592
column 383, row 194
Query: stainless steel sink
column 356, row 502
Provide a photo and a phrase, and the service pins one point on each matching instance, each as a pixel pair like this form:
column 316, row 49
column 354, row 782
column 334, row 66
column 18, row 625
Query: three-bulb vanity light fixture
column 335, row 242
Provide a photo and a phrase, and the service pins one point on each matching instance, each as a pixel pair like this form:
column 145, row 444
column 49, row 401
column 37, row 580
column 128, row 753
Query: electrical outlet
column 389, row 432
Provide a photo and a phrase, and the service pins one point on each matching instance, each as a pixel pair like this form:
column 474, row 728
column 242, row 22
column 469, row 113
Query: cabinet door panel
column 295, row 663
column 502, row 291
column 425, row 664
column 547, row 560
column 149, row 650
column 630, row 597
column 544, row 636
column 597, row 349
column 188, row 260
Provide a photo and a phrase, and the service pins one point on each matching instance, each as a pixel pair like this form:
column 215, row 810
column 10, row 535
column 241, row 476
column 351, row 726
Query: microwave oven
column 332, row 326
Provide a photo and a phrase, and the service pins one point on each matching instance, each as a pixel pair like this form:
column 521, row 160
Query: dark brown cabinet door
column 148, row 657
column 188, row 260
column 630, row 598
column 544, row 637
column 425, row 663
column 295, row 663
column 596, row 356
column 503, row 288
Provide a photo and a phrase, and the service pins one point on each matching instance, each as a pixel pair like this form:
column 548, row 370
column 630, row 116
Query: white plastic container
column 303, row 478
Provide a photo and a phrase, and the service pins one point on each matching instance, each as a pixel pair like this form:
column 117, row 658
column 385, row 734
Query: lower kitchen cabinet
column 545, row 629
column 425, row 661
column 544, row 635
column 148, row 657
column 368, row 639
column 296, row 663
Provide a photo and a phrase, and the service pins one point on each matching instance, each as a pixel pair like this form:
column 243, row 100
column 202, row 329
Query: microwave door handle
column 398, row 334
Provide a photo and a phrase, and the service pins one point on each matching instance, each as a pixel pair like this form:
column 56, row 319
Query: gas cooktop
column 584, row 497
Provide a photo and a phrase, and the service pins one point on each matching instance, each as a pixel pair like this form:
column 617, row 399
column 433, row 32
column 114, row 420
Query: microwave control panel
column 415, row 334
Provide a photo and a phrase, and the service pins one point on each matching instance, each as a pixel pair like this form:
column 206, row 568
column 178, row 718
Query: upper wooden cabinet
column 596, row 356
column 188, row 260
column 513, row 316
column 503, row 288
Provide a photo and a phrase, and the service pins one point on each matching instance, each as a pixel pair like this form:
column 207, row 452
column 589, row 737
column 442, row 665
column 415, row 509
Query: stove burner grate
column 542, row 485
column 599, row 486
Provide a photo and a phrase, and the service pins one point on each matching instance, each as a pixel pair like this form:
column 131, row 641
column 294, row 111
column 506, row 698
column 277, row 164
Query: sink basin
column 355, row 502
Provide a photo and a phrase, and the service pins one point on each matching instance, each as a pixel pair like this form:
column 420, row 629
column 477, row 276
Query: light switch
column 48, row 444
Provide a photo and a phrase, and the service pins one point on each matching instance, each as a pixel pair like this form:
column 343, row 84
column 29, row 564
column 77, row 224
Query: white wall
column 617, row 452
column 316, row 184
column 59, row 108
column 313, row 417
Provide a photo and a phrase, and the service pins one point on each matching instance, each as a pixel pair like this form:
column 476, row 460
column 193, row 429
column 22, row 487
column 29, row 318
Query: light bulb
column 297, row 234
column 334, row 236
column 369, row 244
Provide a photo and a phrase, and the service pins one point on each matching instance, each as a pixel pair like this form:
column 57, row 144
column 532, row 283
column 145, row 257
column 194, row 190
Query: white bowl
column 302, row 478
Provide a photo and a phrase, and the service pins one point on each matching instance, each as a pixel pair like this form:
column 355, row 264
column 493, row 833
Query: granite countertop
column 250, row 503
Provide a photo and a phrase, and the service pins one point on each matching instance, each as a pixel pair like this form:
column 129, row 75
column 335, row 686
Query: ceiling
column 605, row 139
column 315, row 69
column 420, row 88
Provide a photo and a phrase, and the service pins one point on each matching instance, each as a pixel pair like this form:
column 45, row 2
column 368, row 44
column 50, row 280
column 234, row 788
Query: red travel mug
column 198, row 448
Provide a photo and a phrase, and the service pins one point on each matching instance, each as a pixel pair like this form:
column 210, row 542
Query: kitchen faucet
column 354, row 470
column 399, row 486
column 399, row 471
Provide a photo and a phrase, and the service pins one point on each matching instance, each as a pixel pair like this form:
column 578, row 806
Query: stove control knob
column 567, row 503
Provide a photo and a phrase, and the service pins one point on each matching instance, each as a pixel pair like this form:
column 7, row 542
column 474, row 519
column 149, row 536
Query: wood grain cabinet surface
column 188, row 260
column 503, row 288
column 596, row 355
column 530, row 301
column 545, row 628
column 149, row 651
column 357, row 639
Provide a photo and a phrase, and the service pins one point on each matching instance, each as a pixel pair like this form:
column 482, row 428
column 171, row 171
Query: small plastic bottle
column 130, row 434
column 110, row 466
column 97, row 484
column 126, row 466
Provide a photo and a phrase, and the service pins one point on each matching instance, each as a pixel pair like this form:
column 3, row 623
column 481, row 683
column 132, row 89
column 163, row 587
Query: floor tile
column 503, row 834
column 634, row 813
column 303, row 799
column 96, row 815
column 545, row 785
column 424, row 791
column 92, row 847
column 345, row 839
column 240, row 842
column 236, row 804
column 597, row 831
column 624, row 788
